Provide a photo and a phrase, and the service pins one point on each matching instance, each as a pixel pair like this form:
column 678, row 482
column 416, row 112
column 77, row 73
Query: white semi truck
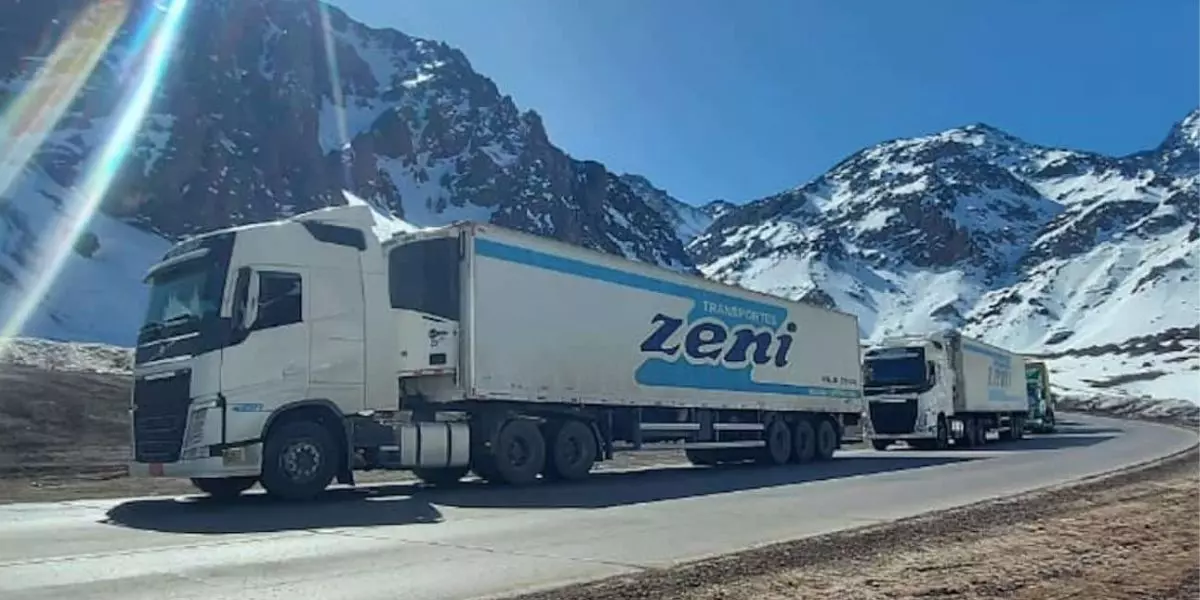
column 930, row 390
column 294, row 352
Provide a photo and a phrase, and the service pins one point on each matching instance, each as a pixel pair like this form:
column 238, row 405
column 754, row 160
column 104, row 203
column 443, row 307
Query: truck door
column 269, row 367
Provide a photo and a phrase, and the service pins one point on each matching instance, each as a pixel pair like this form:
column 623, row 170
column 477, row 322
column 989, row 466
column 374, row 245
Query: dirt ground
column 1132, row 535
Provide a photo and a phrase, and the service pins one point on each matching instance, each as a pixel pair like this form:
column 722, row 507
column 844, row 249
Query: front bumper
column 244, row 461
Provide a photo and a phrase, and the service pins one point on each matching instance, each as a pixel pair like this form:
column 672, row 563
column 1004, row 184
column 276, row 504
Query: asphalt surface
column 399, row 542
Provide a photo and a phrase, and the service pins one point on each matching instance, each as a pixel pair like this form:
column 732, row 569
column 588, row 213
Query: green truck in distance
column 1041, row 402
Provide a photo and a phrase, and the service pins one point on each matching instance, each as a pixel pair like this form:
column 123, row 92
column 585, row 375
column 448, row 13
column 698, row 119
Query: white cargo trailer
column 929, row 390
column 294, row 352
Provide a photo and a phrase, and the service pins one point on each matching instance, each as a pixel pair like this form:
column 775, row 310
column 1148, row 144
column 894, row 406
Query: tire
column 224, row 488
column 881, row 445
column 826, row 440
column 518, row 453
column 778, row 448
column 441, row 476
column 570, row 451
column 804, row 441
column 300, row 459
column 942, row 441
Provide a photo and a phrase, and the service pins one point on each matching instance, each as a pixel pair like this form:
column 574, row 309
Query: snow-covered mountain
column 1089, row 259
column 269, row 108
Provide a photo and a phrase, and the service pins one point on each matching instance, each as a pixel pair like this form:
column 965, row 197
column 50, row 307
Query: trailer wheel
column 827, row 440
column 223, row 488
column 518, row 453
column 778, row 448
column 441, row 476
column 571, row 451
column 300, row 459
column 804, row 443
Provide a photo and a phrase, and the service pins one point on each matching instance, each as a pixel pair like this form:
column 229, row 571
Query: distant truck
column 294, row 352
column 931, row 390
column 1041, row 401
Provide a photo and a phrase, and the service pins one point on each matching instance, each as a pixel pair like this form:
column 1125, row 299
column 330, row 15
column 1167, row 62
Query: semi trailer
column 295, row 352
column 1041, row 402
column 933, row 390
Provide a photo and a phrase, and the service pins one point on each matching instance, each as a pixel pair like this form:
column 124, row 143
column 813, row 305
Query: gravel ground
column 1130, row 535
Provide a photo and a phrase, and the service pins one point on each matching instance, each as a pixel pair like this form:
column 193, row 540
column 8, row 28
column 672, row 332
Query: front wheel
column 300, row 459
column 223, row 488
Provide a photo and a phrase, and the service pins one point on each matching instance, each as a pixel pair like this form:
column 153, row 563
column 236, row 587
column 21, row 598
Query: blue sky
column 737, row 100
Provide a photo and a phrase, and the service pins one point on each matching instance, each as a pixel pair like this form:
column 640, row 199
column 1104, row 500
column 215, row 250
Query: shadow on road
column 258, row 513
column 369, row 506
column 1051, row 441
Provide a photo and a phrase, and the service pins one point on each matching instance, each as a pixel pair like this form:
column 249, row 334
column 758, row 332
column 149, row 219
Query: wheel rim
column 518, row 452
column 301, row 460
column 570, row 450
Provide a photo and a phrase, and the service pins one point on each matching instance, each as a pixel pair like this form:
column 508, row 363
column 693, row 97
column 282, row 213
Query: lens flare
column 158, row 49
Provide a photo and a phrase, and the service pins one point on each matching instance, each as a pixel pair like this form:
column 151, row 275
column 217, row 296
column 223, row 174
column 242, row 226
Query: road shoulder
column 1130, row 534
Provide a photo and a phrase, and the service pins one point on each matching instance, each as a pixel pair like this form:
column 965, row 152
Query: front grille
column 160, row 410
column 893, row 417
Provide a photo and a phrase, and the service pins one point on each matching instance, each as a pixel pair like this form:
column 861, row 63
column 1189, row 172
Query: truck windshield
column 892, row 368
column 180, row 299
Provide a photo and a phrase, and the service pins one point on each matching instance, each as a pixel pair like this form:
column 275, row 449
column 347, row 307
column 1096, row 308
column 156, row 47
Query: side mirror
column 245, row 303
column 251, row 313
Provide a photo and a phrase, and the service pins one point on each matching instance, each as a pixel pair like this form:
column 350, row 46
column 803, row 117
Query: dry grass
column 1133, row 535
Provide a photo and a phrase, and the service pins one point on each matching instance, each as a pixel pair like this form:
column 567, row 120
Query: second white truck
column 931, row 390
column 292, row 353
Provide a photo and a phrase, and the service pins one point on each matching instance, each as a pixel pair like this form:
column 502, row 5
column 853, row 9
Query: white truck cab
column 941, row 388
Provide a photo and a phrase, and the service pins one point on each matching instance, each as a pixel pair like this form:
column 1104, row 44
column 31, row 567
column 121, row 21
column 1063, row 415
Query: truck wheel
column 571, row 452
column 441, row 475
column 826, row 440
column 778, row 449
column 804, row 443
column 942, row 441
column 300, row 459
column 519, row 452
column 223, row 488
column 881, row 445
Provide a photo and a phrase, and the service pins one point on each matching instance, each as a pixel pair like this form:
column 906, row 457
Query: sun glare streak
column 35, row 112
column 104, row 167
column 335, row 88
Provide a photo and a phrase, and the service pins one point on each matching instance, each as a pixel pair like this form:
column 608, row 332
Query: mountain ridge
column 970, row 227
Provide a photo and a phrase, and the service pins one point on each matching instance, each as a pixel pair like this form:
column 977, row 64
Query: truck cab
column 240, row 338
column 908, row 383
column 1041, row 403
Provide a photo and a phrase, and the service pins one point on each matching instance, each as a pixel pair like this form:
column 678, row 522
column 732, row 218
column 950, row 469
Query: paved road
column 400, row 543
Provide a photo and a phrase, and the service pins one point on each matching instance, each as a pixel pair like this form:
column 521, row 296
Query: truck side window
column 279, row 299
column 423, row 276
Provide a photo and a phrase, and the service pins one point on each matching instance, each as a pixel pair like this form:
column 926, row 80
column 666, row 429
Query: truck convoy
column 295, row 352
column 1041, row 402
column 929, row 390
